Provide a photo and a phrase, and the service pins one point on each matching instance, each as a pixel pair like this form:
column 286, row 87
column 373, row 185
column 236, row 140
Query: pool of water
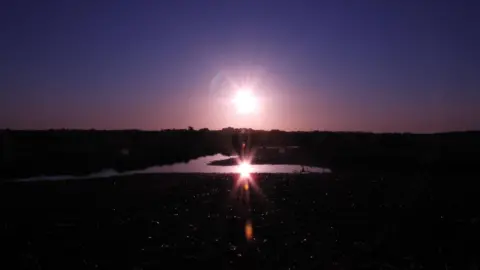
column 199, row 165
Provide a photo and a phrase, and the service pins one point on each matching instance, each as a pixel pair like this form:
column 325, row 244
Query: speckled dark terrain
column 331, row 221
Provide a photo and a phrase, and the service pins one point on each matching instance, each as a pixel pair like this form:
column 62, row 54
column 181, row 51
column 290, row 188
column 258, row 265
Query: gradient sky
column 318, row 65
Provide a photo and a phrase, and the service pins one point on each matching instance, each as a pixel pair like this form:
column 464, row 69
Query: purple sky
column 316, row 65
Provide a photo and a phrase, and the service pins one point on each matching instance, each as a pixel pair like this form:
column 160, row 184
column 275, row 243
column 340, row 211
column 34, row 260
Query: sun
column 245, row 102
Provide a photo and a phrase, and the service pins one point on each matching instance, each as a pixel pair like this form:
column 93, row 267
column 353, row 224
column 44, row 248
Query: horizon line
column 234, row 129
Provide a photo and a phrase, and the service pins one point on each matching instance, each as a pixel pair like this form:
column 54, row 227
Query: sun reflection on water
column 245, row 169
column 243, row 184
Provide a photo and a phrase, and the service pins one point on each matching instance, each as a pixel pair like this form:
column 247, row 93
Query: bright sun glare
column 244, row 169
column 245, row 101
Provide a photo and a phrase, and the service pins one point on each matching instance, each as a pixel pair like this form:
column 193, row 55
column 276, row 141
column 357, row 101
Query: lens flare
column 248, row 230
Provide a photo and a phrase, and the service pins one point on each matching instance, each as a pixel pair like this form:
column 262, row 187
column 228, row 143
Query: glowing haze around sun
column 242, row 97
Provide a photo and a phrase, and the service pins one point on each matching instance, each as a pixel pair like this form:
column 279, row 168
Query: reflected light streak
column 242, row 188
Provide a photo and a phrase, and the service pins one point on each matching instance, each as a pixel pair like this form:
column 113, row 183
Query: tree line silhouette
column 49, row 152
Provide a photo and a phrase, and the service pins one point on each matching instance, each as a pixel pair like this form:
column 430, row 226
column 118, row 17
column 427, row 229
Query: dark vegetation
column 311, row 221
column 33, row 153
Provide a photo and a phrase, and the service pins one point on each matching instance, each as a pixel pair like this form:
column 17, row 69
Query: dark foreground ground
column 417, row 221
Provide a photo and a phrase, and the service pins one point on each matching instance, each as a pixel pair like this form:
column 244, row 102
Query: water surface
column 199, row 165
